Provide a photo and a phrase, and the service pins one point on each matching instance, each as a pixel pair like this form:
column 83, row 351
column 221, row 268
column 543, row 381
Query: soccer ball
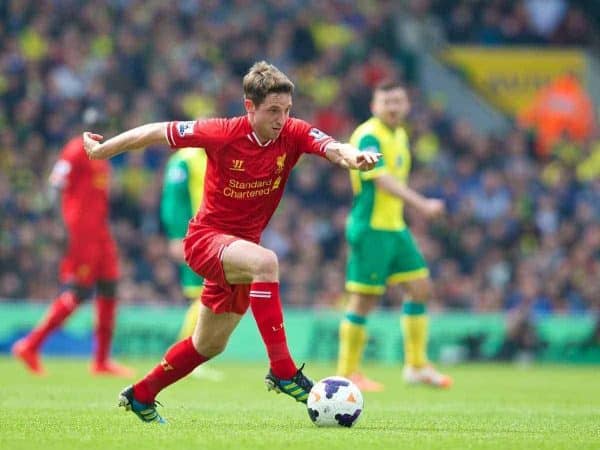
column 334, row 402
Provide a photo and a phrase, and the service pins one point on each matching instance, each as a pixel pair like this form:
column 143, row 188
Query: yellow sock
column 414, row 329
column 190, row 319
column 353, row 338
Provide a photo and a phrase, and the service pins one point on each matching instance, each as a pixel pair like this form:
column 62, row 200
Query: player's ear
column 249, row 105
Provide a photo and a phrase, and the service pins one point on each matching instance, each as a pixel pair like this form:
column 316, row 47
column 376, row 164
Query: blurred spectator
column 560, row 110
column 521, row 342
column 545, row 15
column 501, row 22
column 593, row 340
column 574, row 30
column 491, row 199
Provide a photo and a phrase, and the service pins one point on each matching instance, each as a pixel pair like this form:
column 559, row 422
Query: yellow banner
column 509, row 78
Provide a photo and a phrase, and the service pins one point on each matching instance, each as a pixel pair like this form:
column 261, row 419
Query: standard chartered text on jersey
column 244, row 190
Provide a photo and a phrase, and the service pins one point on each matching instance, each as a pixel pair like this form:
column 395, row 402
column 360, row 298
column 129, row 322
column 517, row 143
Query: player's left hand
column 433, row 208
column 91, row 142
column 367, row 160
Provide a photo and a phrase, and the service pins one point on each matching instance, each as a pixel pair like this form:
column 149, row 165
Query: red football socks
column 178, row 362
column 105, row 324
column 268, row 313
column 60, row 309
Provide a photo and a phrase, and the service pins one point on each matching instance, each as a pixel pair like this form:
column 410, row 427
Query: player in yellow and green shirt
column 183, row 188
column 382, row 250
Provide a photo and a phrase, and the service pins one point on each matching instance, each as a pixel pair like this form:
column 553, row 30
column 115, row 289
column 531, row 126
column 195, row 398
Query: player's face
column 270, row 116
column 390, row 106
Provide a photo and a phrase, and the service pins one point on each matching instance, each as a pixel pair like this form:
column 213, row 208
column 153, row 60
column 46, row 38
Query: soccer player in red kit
column 91, row 257
column 249, row 161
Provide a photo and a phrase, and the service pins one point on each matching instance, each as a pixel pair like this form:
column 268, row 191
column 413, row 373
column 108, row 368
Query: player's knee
column 362, row 304
column 81, row 293
column 106, row 289
column 267, row 266
column 420, row 290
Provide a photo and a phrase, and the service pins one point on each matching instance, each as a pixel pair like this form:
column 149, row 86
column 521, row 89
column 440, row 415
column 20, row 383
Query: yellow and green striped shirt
column 182, row 190
column 373, row 207
column 181, row 197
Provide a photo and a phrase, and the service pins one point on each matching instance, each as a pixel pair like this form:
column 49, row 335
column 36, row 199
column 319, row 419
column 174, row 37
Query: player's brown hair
column 388, row 84
column 263, row 79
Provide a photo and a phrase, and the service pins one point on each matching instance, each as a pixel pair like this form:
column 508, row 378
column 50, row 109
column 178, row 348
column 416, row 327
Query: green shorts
column 380, row 258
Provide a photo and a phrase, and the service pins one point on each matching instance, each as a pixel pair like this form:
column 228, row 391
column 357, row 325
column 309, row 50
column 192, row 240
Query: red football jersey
column 84, row 184
column 244, row 179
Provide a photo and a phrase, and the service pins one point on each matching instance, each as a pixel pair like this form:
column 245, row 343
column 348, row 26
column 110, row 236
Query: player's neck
column 261, row 140
column 388, row 126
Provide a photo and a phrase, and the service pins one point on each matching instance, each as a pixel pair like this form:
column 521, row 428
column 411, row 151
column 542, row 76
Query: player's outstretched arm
column 349, row 157
column 136, row 138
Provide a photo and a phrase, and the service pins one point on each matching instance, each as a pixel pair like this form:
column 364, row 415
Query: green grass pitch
column 489, row 407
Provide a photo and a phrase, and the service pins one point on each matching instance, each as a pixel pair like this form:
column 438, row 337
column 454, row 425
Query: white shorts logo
column 184, row 128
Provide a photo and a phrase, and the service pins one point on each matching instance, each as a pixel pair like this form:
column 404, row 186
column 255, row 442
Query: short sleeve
column 197, row 133
column 60, row 174
column 311, row 139
column 369, row 143
column 72, row 158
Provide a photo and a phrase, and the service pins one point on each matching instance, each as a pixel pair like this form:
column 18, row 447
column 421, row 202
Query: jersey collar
column 254, row 139
column 384, row 126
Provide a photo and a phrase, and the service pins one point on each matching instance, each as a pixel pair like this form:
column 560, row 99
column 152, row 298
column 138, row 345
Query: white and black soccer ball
column 335, row 402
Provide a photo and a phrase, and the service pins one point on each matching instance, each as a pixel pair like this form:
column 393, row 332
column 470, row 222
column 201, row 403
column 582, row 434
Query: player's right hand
column 367, row 160
column 91, row 144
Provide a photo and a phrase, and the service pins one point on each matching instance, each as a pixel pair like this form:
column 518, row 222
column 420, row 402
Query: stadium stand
column 522, row 231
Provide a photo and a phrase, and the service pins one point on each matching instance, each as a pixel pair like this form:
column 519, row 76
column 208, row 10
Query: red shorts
column 89, row 259
column 203, row 250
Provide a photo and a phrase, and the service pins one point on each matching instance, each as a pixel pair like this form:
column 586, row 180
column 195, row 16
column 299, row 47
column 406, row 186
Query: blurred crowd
column 520, row 233
column 502, row 22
